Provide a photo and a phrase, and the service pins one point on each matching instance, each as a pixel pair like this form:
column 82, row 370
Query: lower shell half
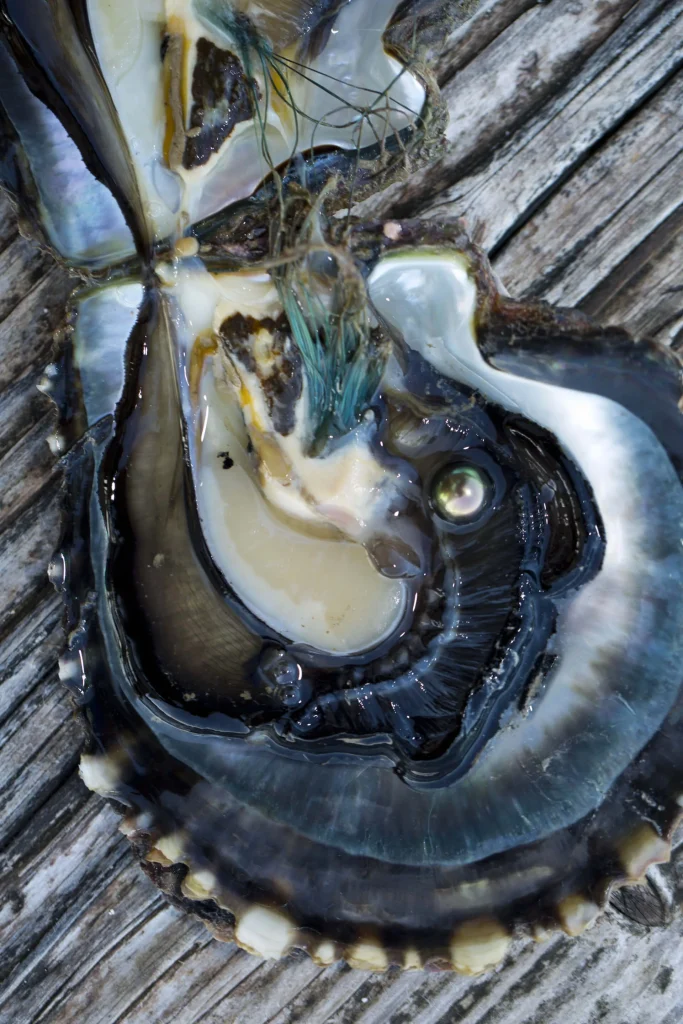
column 390, row 676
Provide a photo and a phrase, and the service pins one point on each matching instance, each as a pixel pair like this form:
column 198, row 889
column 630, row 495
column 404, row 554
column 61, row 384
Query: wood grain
column 565, row 153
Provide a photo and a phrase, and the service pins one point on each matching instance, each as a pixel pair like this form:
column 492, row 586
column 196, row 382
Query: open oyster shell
column 373, row 576
column 517, row 760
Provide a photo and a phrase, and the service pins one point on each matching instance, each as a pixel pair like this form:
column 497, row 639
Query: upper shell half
column 126, row 123
column 373, row 575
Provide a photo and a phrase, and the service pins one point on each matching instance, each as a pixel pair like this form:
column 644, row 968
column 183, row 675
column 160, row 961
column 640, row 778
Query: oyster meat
column 373, row 575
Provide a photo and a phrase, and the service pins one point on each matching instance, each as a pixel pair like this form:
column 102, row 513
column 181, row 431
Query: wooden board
column 565, row 154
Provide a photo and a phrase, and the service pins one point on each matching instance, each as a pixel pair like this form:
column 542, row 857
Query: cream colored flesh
column 348, row 490
column 317, row 590
column 314, row 586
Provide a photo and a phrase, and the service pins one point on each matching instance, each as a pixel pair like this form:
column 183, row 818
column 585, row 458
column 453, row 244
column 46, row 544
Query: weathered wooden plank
column 118, row 971
column 31, row 771
column 518, row 72
column 54, row 887
column 26, row 470
column 132, row 936
column 594, row 222
column 22, row 266
column 29, row 653
column 8, row 223
column 46, row 822
column 26, row 548
column 646, row 292
column 190, row 984
column 319, row 1000
column 26, row 335
column 21, row 406
column 210, row 983
column 532, row 986
column 508, row 83
column 276, row 985
column 656, row 202
column 634, row 62
column 569, row 95
column 488, row 22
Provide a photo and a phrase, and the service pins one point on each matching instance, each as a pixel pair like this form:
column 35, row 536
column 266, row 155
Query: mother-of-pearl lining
column 430, row 301
column 353, row 65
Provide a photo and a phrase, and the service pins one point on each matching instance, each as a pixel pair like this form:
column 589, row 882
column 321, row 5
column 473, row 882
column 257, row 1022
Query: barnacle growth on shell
column 373, row 576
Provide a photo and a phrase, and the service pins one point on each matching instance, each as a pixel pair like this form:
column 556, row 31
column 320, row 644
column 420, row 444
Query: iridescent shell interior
column 373, row 576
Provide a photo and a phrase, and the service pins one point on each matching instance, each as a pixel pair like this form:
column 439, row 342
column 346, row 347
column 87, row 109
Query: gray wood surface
column 565, row 154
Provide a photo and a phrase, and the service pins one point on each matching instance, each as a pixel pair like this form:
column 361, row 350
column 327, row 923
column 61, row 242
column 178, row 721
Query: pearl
column 460, row 492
